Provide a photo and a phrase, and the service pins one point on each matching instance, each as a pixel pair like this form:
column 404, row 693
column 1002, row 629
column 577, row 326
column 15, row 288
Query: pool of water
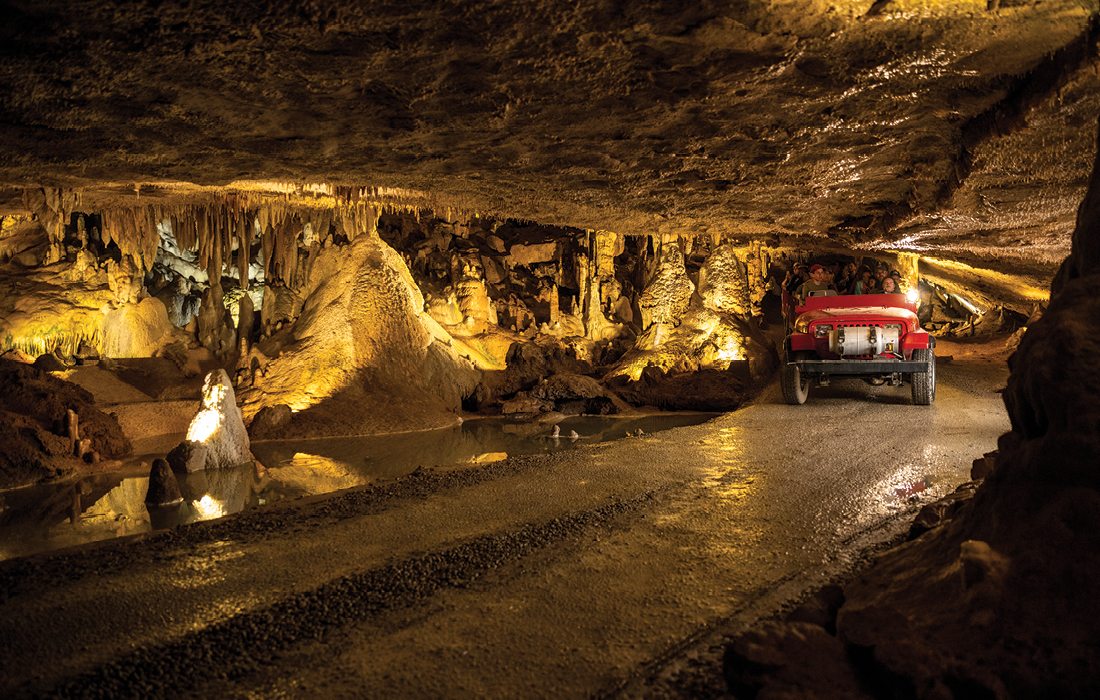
column 52, row 516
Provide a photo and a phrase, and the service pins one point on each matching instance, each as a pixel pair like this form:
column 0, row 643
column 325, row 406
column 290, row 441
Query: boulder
column 269, row 420
column 164, row 490
column 219, row 426
column 136, row 329
column 49, row 363
column 983, row 466
column 575, row 393
column 532, row 253
column 525, row 404
column 188, row 457
column 789, row 659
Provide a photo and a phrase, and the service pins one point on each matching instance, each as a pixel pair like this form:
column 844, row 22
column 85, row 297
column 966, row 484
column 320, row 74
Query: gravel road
column 611, row 570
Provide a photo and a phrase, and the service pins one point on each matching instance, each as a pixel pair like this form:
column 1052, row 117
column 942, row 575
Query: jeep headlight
column 801, row 325
column 822, row 329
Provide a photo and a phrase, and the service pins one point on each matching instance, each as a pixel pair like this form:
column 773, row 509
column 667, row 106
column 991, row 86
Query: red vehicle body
column 873, row 336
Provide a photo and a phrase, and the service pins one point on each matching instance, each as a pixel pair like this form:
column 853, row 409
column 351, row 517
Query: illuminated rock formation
column 218, row 426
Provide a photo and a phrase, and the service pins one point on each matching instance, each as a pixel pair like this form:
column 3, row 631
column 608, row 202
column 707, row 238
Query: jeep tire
column 796, row 388
column 924, row 383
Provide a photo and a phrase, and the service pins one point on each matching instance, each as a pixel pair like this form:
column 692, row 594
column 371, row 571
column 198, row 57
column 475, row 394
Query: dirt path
column 598, row 571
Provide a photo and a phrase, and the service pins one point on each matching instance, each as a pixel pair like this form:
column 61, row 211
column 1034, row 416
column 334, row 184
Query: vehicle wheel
column 924, row 383
column 795, row 387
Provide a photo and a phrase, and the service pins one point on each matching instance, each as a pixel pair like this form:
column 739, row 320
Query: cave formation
column 379, row 219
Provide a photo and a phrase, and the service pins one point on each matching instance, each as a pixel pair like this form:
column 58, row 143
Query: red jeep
column 873, row 336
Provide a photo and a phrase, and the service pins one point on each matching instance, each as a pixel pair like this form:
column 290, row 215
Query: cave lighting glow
column 730, row 350
column 209, row 507
column 209, row 419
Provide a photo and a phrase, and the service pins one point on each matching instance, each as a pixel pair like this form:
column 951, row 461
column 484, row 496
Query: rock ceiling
column 951, row 128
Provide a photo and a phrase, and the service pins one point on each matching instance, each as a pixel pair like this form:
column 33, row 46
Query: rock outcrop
column 164, row 490
column 218, row 426
column 35, row 426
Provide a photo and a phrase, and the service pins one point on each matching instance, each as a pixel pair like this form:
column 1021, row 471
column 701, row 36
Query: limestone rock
column 34, row 415
column 136, row 330
column 164, row 490
column 363, row 355
column 246, row 316
column 269, row 420
column 219, row 425
column 723, row 282
column 188, row 457
column 574, row 393
column 533, row 253
column 49, row 362
column 125, row 280
column 667, row 295
column 523, row 404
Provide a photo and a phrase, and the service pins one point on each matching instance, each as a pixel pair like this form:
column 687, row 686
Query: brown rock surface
column 754, row 118
column 34, row 422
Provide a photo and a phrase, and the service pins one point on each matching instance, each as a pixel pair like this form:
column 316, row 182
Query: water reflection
column 113, row 505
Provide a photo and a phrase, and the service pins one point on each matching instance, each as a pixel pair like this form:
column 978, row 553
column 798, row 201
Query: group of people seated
column 801, row 280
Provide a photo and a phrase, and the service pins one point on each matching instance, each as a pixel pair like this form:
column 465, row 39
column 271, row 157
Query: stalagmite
column 245, row 318
column 74, row 430
column 667, row 295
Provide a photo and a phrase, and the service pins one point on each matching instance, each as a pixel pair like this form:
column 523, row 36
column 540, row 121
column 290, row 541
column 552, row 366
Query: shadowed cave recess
column 595, row 220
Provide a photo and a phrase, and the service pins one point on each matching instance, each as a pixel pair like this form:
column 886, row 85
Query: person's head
column 817, row 273
column 880, row 273
column 865, row 274
column 851, row 267
column 889, row 285
column 895, row 274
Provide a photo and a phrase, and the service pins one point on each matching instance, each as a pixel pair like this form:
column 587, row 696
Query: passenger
column 880, row 274
column 796, row 277
column 817, row 282
column 847, row 279
column 890, row 286
column 902, row 283
column 866, row 282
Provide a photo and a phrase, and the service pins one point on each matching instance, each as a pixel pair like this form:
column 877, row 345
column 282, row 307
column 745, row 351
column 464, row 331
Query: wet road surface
column 613, row 569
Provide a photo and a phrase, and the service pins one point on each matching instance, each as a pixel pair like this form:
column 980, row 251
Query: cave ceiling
column 956, row 129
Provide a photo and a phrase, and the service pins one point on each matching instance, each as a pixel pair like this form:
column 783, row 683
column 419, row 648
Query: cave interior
column 379, row 218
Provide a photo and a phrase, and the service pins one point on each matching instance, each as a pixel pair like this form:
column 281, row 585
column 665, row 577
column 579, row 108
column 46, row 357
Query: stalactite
column 52, row 207
column 244, row 249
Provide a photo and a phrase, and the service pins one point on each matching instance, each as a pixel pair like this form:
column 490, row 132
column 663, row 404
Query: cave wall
column 331, row 299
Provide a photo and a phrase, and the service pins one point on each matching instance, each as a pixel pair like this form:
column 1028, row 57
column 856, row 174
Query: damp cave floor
column 616, row 569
